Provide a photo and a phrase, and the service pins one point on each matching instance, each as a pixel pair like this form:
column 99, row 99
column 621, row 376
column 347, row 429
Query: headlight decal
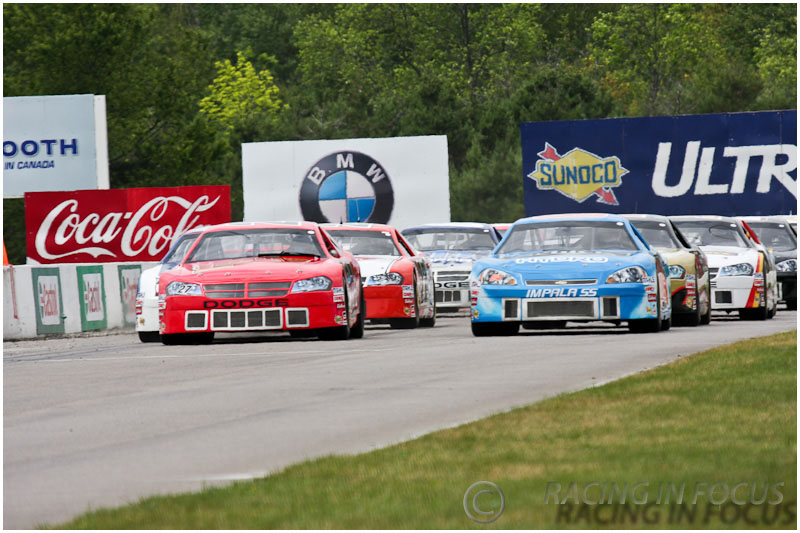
column 181, row 288
column 318, row 283
column 391, row 278
column 492, row 276
column 677, row 271
column 739, row 269
column 789, row 265
column 632, row 274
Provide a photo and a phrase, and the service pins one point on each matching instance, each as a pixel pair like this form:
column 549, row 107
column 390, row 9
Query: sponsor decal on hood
column 455, row 256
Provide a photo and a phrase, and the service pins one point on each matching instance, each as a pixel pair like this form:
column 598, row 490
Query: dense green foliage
column 186, row 84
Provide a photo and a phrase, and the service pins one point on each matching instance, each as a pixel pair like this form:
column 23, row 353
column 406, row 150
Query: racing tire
column 644, row 325
column 760, row 313
column 495, row 329
column 791, row 304
column 666, row 324
column 429, row 322
column 149, row 336
column 175, row 339
column 338, row 333
column 408, row 323
column 690, row 319
column 649, row 325
column 706, row 318
column 357, row 331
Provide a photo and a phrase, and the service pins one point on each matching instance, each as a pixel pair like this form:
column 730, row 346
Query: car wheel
column 429, row 322
column 706, row 318
column 357, row 331
column 760, row 313
column 408, row 323
column 495, row 329
column 149, row 336
column 338, row 333
column 174, row 339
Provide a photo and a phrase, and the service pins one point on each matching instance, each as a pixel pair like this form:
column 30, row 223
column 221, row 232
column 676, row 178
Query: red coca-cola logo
column 118, row 224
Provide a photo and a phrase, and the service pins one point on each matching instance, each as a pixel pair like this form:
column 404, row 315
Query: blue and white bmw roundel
column 551, row 269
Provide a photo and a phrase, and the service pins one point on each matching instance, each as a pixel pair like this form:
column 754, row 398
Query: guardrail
column 44, row 300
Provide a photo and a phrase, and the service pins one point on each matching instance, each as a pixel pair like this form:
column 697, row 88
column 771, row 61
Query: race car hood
column 442, row 259
column 375, row 264
column 558, row 265
column 720, row 256
column 232, row 270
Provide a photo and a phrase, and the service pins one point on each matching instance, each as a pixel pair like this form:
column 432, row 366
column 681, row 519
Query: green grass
column 727, row 415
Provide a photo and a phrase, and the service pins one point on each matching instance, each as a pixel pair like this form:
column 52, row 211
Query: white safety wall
column 20, row 303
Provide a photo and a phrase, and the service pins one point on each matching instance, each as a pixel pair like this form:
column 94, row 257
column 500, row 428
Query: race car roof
column 704, row 217
column 451, row 225
column 239, row 225
column 594, row 217
column 642, row 216
column 359, row 226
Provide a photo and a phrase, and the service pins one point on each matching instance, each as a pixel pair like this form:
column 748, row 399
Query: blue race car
column 551, row 269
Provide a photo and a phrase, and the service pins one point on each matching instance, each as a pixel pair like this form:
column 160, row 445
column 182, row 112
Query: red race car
column 398, row 282
column 262, row 276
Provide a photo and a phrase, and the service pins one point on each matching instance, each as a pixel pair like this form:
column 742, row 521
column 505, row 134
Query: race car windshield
column 429, row 240
column 178, row 251
column 656, row 234
column 267, row 242
column 365, row 242
column 775, row 235
column 568, row 236
column 713, row 233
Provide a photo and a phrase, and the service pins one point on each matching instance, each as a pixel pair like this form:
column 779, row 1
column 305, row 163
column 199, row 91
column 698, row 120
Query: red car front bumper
column 193, row 314
column 392, row 301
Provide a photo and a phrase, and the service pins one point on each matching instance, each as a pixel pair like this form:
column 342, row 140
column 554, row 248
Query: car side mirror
column 333, row 252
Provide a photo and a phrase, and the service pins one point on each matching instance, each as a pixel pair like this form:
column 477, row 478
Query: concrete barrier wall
column 42, row 300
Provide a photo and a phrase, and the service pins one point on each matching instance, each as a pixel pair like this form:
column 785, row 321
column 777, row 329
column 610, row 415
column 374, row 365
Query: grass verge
column 725, row 416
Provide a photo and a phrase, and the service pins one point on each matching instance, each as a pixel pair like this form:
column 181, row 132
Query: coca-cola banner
column 92, row 294
column 118, row 225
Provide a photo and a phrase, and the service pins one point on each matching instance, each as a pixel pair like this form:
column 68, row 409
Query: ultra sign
column 727, row 164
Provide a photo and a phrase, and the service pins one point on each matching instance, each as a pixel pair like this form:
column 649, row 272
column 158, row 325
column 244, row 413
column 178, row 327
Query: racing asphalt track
column 99, row 421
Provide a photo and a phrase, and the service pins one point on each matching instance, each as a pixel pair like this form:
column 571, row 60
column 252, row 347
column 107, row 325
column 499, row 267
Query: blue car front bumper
column 610, row 302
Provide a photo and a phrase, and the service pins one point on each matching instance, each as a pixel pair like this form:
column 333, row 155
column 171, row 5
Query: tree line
column 186, row 84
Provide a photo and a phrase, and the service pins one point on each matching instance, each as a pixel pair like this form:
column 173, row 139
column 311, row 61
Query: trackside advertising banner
column 402, row 181
column 117, row 225
column 724, row 164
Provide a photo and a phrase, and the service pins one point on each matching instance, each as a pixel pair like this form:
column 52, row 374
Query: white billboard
column 402, row 181
column 54, row 143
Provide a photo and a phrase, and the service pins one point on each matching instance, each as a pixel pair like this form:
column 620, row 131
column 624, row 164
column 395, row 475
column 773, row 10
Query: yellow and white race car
column 690, row 283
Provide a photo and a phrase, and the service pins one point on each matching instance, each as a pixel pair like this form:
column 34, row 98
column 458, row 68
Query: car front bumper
column 195, row 314
column 737, row 292
column 610, row 302
column 395, row 301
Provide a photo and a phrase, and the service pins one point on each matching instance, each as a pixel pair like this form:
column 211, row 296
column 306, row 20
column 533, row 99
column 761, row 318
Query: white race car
column 147, row 291
column 743, row 274
column 452, row 248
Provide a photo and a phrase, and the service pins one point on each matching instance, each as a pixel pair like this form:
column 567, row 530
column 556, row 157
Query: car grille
column 539, row 309
column 452, row 275
column 272, row 289
column 444, row 296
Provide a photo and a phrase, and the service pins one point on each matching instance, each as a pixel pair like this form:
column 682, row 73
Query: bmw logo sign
column 346, row 187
